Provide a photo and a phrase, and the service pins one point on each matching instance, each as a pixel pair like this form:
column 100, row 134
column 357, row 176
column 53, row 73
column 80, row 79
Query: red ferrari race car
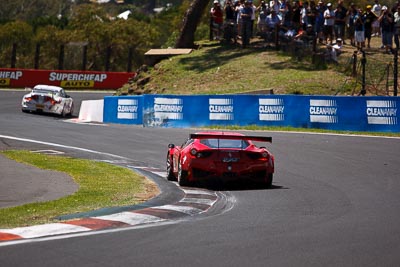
column 208, row 156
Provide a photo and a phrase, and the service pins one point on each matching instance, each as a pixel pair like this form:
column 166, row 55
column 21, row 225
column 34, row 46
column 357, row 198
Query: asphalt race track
column 335, row 202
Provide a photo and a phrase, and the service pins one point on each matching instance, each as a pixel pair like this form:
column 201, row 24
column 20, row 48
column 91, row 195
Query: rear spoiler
column 231, row 136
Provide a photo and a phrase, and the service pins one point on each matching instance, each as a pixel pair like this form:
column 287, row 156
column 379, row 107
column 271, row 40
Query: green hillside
column 216, row 69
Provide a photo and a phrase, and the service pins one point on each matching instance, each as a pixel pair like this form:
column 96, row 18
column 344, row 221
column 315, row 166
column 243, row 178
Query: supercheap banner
column 323, row 112
column 20, row 78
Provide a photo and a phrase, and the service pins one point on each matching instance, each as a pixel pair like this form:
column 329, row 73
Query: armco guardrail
column 323, row 112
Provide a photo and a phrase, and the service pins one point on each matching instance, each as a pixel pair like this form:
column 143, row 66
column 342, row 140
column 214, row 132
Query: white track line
column 59, row 145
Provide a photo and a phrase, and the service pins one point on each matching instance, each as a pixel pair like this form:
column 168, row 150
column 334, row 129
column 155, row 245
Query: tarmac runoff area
column 194, row 202
column 22, row 184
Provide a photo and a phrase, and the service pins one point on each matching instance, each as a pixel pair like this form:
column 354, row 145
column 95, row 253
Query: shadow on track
column 236, row 186
column 51, row 115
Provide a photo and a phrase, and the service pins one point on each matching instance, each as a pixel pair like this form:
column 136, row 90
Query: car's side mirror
column 67, row 96
column 171, row 146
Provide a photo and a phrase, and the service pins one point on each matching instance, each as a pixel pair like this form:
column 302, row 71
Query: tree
column 191, row 20
column 17, row 34
column 47, row 27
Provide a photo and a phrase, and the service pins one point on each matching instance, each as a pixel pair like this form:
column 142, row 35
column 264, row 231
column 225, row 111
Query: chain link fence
column 371, row 73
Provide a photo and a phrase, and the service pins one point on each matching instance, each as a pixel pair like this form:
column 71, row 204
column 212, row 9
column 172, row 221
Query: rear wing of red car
column 231, row 137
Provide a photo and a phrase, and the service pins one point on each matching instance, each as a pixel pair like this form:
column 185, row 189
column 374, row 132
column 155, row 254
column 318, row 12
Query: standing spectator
column 283, row 8
column 351, row 13
column 359, row 31
column 394, row 10
column 368, row 18
column 230, row 22
column 263, row 11
column 376, row 9
column 246, row 23
column 288, row 15
column 253, row 17
column 217, row 19
column 229, row 10
column 319, row 21
column 340, row 20
column 395, row 6
column 296, row 17
column 275, row 6
column 386, row 22
column 239, row 22
column 272, row 20
column 397, row 27
column 311, row 13
column 329, row 16
column 236, row 6
column 304, row 16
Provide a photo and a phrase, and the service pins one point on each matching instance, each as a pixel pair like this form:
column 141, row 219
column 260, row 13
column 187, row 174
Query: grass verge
column 100, row 185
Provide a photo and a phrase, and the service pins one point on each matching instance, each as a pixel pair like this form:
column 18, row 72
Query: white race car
column 48, row 99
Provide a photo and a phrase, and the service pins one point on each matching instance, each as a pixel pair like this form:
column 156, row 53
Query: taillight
column 204, row 154
column 200, row 154
column 53, row 101
column 263, row 156
column 28, row 98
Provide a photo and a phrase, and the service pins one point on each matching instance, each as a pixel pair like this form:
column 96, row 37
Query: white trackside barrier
column 91, row 111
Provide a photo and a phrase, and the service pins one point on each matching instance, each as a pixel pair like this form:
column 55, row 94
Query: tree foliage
column 17, row 34
column 75, row 26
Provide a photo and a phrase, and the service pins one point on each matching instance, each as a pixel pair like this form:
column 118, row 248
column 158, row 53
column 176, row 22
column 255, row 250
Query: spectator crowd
column 328, row 23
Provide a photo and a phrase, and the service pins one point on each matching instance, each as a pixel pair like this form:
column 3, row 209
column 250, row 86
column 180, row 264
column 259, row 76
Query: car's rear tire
column 63, row 112
column 71, row 111
column 182, row 176
column 268, row 179
column 170, row 173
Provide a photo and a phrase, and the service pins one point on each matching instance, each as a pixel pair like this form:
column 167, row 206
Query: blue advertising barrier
column 123, row 109
column 323, row 112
